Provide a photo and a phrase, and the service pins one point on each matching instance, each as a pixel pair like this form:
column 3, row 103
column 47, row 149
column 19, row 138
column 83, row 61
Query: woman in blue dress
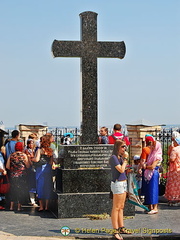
column 43, row 163
column 151, row 176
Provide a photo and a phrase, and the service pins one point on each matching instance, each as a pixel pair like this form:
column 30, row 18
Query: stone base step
column 75, row 205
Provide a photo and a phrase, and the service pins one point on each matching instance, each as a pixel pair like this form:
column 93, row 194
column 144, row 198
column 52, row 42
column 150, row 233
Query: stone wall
column 26, row 130
column 136, row 134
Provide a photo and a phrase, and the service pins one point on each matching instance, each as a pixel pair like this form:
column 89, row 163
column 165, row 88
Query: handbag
column 4, row 184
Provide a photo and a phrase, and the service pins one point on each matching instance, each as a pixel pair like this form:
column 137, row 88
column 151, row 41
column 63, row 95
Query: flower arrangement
column 163, row 179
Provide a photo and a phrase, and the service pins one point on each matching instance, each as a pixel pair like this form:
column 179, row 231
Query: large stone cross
column 89, row 49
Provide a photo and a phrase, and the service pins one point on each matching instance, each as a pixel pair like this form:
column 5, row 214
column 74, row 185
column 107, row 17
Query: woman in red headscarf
column 17, row 164
column 149, row 139
column 146, row 150
column 151, row 177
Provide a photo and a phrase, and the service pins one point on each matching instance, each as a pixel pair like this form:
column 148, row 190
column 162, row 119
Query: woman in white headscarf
column 175, row 135
column 172, row 192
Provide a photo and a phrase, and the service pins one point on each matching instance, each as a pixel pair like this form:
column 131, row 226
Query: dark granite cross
column 88, row 49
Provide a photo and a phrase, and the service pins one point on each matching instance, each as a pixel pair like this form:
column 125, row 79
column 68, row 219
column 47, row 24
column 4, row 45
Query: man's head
column 15, row 134
column 117, row 127
column 103, row 131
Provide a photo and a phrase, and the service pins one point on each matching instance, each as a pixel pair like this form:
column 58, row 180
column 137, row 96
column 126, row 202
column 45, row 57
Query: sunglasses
column 124, row 146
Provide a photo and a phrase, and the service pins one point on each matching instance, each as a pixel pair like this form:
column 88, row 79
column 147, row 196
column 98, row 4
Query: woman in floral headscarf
column 172, row 192
column 151, row 176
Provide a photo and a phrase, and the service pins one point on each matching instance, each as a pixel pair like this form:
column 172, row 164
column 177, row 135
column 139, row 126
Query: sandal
column 124, row 230
column 117, row 235
column 152, row 212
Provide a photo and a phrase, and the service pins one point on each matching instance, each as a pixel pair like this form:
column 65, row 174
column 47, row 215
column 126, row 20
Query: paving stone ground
column 31, row 224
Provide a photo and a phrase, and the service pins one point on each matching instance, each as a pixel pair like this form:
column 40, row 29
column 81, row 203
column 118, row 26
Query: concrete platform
column 31, row 224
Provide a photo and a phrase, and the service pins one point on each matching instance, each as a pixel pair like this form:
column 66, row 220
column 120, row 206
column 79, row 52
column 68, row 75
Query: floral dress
column 172, row 192
column 18, row 178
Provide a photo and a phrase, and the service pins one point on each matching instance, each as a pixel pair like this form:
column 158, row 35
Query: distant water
column 50, row 128
column 173, row 126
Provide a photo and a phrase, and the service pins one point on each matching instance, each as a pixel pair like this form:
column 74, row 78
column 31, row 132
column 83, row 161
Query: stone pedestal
column 85, row 180
column 83, row 189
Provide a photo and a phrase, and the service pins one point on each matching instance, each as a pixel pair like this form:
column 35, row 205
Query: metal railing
column 164, row 136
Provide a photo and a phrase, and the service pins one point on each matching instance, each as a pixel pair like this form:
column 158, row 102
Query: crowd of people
column 146, row 169
column 30, row 166
column 29, row 169
column 111, row 139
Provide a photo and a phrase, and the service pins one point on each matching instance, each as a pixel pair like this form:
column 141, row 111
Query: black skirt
column 19, row 189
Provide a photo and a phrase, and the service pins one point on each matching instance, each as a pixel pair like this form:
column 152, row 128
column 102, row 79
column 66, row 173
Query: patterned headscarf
column 155, row 154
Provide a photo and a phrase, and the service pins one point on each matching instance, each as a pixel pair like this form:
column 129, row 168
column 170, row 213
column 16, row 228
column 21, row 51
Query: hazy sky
column 37, row 88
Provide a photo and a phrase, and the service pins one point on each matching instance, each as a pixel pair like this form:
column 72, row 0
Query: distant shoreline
column 168, row 126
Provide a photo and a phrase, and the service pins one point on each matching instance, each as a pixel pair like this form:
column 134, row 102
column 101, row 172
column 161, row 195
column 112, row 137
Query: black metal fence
column 59, row 132
column 164, row 136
